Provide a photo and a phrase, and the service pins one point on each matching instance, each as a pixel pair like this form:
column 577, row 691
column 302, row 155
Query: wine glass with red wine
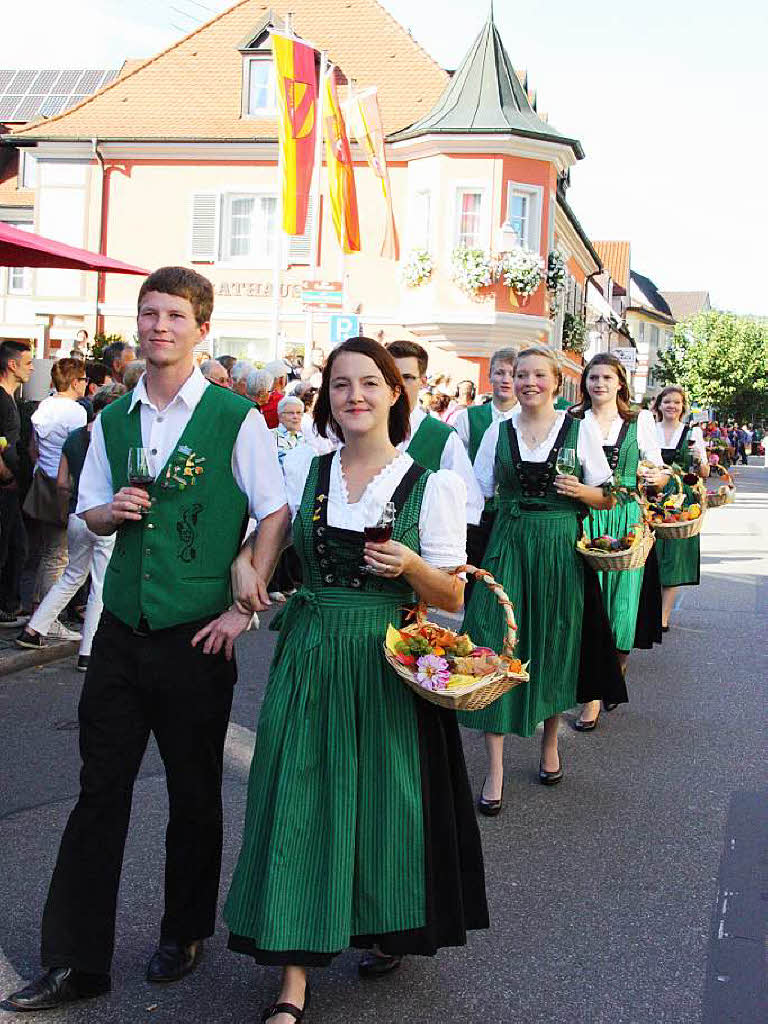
column 139, row 474
column 380, row 531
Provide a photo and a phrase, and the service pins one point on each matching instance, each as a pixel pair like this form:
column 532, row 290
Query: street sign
column 343, row 326
column 628, row 356
column 322, row 294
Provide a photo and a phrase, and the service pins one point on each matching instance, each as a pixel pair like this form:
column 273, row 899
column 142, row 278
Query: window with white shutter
column 205, row 227
column 300, row 246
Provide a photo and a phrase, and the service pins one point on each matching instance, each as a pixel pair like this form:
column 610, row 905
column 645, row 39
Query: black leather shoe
column 551, row 778
column 490, row 808
column 376, row 965
column 172, row 960
column 58, row 986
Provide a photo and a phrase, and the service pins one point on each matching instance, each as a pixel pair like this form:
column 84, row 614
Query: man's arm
column 253, row 568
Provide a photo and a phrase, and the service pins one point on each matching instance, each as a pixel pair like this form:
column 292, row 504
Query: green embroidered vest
column 173, row 566
column 480, row 418
column 428, row 443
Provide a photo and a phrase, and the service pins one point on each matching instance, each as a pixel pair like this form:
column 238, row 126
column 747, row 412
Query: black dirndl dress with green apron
column 360, row 825
column 632, row 596
column 563, row 629
column 679, row 560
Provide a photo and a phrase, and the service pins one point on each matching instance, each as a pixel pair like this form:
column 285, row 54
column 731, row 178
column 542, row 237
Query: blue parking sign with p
column 343, row 326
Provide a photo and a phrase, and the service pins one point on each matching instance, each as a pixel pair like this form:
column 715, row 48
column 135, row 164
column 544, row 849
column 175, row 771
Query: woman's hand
column 248, row 586
column 223, row 632
column 569, row 487
column 655, row 477
column 390, row 559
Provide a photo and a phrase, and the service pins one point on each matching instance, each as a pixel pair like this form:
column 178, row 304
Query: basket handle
column 510, row 636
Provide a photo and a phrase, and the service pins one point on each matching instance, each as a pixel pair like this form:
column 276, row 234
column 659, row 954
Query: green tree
column 721, row 359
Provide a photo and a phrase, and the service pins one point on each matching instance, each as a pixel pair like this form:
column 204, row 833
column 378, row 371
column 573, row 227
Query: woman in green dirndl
column 632, row 596
column 682, row 445
column 359, row 826
column 543, row 466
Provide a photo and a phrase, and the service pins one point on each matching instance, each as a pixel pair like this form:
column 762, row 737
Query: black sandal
column 275, row 1008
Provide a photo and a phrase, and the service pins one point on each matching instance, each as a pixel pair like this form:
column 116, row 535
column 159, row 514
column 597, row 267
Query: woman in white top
column 682, row 445
column 52, row 422
column 633, row 596
column 358, row 787
column 562, row 626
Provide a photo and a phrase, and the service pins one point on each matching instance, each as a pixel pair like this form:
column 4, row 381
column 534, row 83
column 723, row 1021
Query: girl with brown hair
column 682, row 444
column 633, row 596
column 359, row 828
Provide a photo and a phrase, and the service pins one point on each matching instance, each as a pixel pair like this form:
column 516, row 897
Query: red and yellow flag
column 341, row 174
column 296, row 88
column 364, row 120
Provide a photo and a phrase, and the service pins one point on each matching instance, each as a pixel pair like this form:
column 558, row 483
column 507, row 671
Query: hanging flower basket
column 556, row 276
column 417, row 268
column 575, row 337
column 471, row 269
column 521, row 270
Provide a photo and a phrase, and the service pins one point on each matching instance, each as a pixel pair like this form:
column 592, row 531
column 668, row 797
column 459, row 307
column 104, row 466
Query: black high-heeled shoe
column 294, row 1011
column 551, row 778
column 581, row 726
column 490, row 808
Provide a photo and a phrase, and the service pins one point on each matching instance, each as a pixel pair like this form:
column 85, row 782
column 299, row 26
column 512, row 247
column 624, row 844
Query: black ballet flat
column 490, row 808
column 580, row 726
column 551, row 778
column 294, row 1011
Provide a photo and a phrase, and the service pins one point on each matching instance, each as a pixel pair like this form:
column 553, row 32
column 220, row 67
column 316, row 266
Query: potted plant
column 574, row 333
column 556, row 275
column 471, row 269
column 521, row 270
column 416, row 268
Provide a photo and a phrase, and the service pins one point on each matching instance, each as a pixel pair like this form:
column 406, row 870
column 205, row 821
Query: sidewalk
column 14, row 659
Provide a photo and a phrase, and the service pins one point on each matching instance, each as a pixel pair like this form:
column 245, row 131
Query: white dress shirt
column 53, row 420
column 442, row 529
column 454, row 457
column 461, row 422
column 647, row 441
column 594, row 465
column 254, row 455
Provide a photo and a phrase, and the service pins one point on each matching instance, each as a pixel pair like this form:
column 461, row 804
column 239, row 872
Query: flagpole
column 316, row 204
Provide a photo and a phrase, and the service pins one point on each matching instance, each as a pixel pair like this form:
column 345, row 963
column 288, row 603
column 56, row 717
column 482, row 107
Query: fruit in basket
column 690, row 479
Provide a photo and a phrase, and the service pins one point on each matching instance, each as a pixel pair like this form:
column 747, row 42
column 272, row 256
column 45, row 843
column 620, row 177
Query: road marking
column 238, row 749
column 9, row 979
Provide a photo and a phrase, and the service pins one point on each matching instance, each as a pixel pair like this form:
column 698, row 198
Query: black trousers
column 13, row 547
column 137, row 685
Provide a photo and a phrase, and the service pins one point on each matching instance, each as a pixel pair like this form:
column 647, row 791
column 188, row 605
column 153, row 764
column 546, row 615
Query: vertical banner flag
column 341, row 174
column 296, row 89
column 364, row 120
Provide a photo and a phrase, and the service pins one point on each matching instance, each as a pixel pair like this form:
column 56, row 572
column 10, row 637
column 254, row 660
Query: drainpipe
column 98, row 318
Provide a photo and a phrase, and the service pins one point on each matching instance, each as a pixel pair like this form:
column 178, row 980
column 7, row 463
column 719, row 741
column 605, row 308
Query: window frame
column 463, row 188
column 535, row 196
column 253, row 261
column 258, row 57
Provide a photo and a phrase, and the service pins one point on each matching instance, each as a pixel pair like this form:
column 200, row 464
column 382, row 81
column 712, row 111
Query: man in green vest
column 161, row 662
column 432, row 444
column 471, row 425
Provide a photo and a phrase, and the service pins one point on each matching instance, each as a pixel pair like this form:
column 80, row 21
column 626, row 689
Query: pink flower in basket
column 432, row 672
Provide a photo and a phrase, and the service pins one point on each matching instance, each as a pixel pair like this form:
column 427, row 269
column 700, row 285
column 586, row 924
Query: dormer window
column 258, row 84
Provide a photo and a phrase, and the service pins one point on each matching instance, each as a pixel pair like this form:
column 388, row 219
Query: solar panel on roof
column 67, row 81
column 5, row 78
column 72, row 101
column 22, row 81
column 52, row 105
column 43, row 81
column 109, row 76
column 89, row 81
column 28, row 109
column 7, row 106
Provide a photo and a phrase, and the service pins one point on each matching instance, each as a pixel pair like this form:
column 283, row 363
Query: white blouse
column 696, row 436
column 442, row 522
column 594, row 465
column 647, row 441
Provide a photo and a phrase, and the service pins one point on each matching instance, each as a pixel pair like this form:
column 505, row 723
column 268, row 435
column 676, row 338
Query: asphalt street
column 633, row 893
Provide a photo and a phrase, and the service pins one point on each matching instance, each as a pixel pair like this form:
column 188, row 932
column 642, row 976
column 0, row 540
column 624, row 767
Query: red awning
column 20, row 248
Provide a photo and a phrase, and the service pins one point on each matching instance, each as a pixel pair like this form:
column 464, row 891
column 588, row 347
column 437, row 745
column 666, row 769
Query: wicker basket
column 486, row 689
column 726, row 491
column 615, row 561
column 689, row 528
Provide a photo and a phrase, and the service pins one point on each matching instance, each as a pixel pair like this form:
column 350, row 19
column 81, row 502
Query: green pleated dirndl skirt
column 679, row 561
column 337, row 846
column 621, row 590
column 533, row 555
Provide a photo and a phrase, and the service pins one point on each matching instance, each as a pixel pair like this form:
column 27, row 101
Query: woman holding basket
column 359, row 827
column 682, row 445
column 632, row 596
column 546, row 466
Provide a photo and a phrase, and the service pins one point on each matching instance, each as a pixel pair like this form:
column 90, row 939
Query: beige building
column 175, row 161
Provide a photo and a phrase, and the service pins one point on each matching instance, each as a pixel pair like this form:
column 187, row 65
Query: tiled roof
column 615, row 259
column 687, row 304
column 193, row 89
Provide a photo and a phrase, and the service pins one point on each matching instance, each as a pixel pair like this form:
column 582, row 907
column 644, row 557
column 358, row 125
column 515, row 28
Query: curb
column 17, row 660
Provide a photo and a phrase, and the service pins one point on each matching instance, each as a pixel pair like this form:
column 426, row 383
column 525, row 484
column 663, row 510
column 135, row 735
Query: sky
column 668, row 98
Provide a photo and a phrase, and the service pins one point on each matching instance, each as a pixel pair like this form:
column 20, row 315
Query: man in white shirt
column 432, row 444
column 161, row 659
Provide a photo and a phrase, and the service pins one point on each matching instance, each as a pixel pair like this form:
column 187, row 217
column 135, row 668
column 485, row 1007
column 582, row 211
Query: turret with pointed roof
column 485, row 96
